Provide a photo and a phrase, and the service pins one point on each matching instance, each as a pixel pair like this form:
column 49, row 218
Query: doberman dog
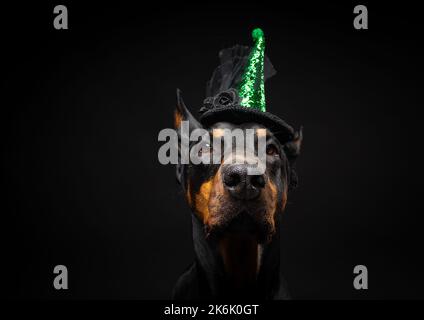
column 235, row 219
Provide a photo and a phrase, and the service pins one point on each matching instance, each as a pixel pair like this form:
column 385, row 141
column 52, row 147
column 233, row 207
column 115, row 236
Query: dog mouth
column 243, row 223
column 247, row 224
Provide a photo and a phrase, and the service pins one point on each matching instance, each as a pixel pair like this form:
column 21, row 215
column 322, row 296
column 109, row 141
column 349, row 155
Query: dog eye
column 271, row 150
column 205, row 149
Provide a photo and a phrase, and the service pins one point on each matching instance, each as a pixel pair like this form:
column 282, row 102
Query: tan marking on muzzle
column 208, row 199
column 271, row 198
column 216, row 198
column 273, row 189
column 202, row 200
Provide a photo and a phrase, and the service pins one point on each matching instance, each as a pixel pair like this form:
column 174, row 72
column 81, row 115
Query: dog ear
column 292, row 148
column 183, row 114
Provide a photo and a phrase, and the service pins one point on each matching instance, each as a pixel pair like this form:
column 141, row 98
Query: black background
column 82, row 109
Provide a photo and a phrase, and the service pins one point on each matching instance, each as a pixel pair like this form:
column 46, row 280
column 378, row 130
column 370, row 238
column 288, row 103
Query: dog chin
column 240, row 243
column 249, row 224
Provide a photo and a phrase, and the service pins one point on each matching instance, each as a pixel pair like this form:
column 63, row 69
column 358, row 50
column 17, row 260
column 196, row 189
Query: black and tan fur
column 235, row 228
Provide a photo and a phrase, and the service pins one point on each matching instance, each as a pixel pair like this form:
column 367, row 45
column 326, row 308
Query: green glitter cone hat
column 236, row 91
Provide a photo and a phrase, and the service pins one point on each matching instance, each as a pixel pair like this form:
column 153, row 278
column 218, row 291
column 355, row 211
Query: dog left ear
column 292, row 148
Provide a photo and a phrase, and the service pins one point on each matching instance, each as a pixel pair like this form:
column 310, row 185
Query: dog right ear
column 183, row 114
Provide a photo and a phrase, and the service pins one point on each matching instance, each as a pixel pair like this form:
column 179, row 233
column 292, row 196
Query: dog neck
column 246, row 269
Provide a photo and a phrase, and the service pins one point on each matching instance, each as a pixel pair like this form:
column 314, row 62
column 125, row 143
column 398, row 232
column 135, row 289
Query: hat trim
column 239, row 114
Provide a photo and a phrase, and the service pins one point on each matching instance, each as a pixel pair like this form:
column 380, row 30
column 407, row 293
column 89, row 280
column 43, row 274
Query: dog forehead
column 231, row 126
column 260, row 130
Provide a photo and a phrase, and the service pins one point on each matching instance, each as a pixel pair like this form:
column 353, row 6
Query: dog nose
column 240, row 184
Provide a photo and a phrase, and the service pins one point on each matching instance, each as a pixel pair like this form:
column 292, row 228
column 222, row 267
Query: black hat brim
column 238, row 115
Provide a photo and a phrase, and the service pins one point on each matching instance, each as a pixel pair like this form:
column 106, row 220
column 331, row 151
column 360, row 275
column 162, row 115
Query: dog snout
column 240, row 184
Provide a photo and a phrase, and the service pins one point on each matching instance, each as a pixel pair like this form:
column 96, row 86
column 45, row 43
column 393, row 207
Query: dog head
column 224, row 196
